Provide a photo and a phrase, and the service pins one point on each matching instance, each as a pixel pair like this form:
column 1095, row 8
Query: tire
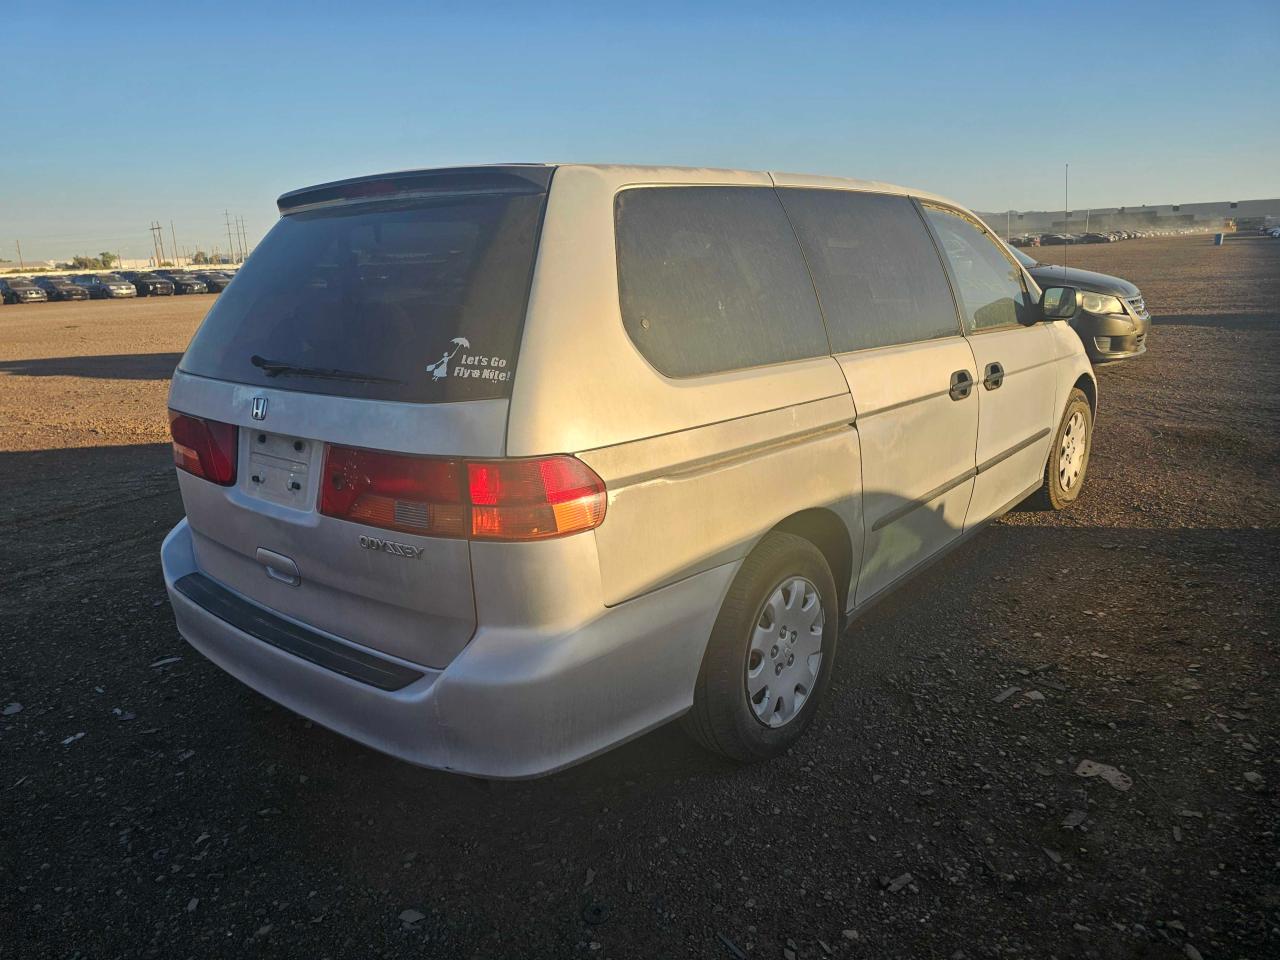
column 788, row 571
column 1064, row 475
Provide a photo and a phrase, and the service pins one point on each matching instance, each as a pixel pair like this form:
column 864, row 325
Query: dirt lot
column 161, row 809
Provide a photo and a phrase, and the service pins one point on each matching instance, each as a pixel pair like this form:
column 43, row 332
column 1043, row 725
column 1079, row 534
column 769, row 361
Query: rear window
column 712, row 279
column 420, row 301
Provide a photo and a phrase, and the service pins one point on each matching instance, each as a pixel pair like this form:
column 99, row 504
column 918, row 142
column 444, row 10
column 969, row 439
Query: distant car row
column 109, row 286
column 1059, row 239
column 1271, row 232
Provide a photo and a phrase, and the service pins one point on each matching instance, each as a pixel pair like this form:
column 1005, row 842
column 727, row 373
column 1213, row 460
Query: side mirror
column 1058, row 303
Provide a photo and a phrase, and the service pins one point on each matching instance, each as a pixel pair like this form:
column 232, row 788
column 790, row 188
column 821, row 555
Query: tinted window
column 875, row 267
column 424, row 300
column 711, row 278
column 988, row 282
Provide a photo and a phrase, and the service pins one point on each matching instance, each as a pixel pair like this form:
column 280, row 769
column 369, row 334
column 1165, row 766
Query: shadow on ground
column 144, row 366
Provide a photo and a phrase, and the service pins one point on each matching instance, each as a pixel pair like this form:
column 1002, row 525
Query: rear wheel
column 1069, row 456
column 770, row 655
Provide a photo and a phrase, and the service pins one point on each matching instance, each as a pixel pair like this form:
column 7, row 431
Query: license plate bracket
column 280, row 468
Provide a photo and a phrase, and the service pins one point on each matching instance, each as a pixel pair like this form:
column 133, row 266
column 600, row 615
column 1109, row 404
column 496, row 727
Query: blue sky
column 121, row 115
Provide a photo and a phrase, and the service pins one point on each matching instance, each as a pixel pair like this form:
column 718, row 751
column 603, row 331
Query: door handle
column 993, row 376
column 278, row 566
column 961, row 385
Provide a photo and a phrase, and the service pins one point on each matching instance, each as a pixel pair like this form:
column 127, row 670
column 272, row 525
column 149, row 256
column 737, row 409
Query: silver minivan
column 494, row 468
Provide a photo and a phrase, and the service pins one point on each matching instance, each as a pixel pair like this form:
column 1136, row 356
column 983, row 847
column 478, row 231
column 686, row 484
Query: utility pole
column 1066, row 203
column 158, row 232
column 21, row 263
column 226, row 218
column 244, row 239
column 174, row 236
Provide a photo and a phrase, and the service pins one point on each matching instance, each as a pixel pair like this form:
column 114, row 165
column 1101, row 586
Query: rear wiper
column 274, row 368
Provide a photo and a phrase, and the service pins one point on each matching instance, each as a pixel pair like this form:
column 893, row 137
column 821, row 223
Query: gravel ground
column 151, row 806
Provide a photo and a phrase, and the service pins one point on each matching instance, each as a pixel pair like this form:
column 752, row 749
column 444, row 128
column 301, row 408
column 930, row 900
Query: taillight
column 205, row 448
column 420, row 495
column 532, row 499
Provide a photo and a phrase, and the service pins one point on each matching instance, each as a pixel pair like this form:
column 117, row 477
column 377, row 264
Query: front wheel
column 1069, row 456
column 770, row 654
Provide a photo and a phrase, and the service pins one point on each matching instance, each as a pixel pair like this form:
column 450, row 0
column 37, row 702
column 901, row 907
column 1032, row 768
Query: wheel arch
column 827, row 531
column 1089, row 387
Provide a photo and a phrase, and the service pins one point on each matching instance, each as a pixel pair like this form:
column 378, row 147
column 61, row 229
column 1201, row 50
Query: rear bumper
column 516, row 702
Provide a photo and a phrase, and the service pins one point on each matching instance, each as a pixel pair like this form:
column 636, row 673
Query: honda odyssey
column 494, row 468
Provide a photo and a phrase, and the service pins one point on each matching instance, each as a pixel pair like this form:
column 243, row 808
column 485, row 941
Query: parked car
column 214, row 281
column 106, row 286
column 149, row 284
column 1055, row 239
column 1112, row 319
column 1096, row 238
column 21, row 290
column 184, row 282
column 60, row 288
column 672, row 510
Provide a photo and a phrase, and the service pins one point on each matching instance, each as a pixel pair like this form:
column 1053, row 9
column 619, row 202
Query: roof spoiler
column 511, row 178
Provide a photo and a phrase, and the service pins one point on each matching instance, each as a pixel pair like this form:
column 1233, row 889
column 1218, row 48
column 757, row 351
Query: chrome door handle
column 961, row 385
column 993, row 376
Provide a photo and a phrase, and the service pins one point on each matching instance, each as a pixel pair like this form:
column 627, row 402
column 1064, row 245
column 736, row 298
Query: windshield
column 428, row 296
column 1023, row 258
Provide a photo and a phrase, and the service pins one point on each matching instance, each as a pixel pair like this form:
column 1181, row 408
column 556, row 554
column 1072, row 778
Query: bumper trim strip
column 290, row 637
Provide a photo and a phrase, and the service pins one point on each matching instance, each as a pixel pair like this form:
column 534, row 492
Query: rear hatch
column 379, row 318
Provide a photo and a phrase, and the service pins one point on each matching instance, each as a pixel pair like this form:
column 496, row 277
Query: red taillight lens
column 485, row 499
column 205, row 448
column 420, row 495
column 533, row 499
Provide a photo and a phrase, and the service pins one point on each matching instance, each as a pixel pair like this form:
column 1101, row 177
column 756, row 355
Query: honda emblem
column 259, row 411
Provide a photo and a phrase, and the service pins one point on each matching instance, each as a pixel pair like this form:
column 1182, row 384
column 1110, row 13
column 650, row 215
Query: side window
column 875, row 267
column 989, row 283
column 712, row 279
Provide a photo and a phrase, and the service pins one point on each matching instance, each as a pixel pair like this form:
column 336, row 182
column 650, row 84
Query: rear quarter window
column 419, row 301
column 712, row 279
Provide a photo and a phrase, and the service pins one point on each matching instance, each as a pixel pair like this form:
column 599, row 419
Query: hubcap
column 786, row 652
column 1071, row 456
